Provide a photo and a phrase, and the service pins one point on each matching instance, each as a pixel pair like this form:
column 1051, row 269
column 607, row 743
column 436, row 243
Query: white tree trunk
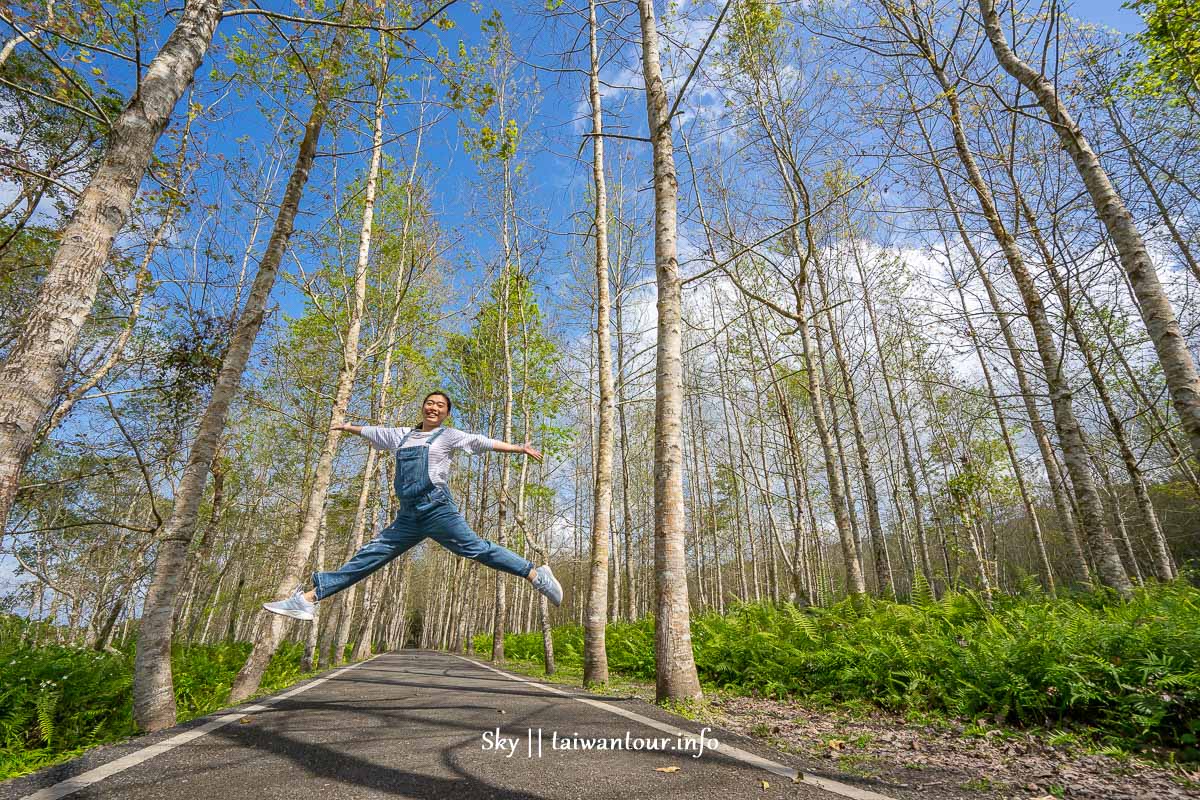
column 595, row 657
column 153, row 696
column 251, row 674
column 1070, row 433
column 676, row 666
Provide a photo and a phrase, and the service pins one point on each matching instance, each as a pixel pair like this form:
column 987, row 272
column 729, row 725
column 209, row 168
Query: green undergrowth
column 1128, row 671
column 56, row 702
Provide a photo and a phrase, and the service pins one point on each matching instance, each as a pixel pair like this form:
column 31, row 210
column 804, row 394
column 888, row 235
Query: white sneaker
column 295, row 606
column 547, row 584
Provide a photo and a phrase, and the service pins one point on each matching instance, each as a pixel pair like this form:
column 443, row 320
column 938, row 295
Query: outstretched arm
column 379, row 437
column 527, row 449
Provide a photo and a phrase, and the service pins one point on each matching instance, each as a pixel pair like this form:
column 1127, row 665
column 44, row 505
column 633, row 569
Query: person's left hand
column 531, row 451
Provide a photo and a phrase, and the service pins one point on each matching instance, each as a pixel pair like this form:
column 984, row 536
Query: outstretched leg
column 392, row 541
column 447, row 526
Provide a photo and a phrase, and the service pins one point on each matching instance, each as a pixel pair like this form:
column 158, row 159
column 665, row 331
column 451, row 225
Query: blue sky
column 1109, row 13
column 556, row 178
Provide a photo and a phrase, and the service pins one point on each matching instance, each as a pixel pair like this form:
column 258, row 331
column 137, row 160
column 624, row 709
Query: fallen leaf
column 244, row 720
column 666, row 769
column 766, row 786
column 836, row 744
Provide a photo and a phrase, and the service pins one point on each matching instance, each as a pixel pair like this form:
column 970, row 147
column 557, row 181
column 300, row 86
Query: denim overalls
column 425, row 510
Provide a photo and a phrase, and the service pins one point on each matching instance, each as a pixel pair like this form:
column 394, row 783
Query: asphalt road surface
column 423, row 724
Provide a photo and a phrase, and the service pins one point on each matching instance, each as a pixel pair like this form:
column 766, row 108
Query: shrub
column 1128, row 668
column 57, row 701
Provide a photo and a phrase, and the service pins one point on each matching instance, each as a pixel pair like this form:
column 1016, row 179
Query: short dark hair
column 440, row 393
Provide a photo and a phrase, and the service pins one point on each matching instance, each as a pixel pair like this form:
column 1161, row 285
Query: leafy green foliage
column 476, row 359
column 1130, row 669
column 1171, row 43
column 755, row 29
column 56, row 702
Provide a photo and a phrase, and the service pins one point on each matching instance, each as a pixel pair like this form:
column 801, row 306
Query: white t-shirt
column 440, row 452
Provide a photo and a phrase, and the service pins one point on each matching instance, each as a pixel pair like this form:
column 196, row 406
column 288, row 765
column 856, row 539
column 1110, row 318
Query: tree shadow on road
column 322, row 761
column 449, row 688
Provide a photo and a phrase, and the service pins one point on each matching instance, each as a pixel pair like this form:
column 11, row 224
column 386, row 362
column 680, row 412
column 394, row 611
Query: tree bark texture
column 676, row 667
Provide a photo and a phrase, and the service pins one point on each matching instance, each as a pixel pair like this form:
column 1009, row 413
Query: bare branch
column 360, row 26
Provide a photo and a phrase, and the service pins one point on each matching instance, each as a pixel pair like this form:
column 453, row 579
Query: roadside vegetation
column 1129, row 671
column 57, row 701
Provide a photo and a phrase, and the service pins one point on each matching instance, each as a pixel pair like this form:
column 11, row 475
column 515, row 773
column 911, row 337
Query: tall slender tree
column 595, row 657
column 153, row 692
column 676, row 666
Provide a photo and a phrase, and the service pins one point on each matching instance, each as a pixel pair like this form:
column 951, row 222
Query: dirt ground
column 972, row 760
column 956, row 759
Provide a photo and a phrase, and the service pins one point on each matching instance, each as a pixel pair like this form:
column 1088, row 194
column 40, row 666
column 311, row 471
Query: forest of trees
column 805, row 302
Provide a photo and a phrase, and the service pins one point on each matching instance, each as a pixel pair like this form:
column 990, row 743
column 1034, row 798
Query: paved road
column 412, row 724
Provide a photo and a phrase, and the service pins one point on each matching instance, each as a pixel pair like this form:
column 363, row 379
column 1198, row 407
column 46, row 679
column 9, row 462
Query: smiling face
column 434, row 411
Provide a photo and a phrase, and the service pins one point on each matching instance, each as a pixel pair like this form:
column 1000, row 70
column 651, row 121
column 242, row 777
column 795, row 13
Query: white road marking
column 829, row 785
column 86, row 779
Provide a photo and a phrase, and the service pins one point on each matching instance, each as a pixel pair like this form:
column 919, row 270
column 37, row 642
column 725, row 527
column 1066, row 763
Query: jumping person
column 422, row 485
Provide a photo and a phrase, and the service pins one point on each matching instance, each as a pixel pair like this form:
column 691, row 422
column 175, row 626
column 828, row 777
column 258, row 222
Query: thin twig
column 683, row 89
column 360, row 26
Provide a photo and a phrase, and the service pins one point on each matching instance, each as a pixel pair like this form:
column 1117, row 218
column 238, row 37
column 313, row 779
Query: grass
column 979, row 785
column 858, row 764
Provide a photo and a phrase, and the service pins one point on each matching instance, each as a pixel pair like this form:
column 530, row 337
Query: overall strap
column 427, row 443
